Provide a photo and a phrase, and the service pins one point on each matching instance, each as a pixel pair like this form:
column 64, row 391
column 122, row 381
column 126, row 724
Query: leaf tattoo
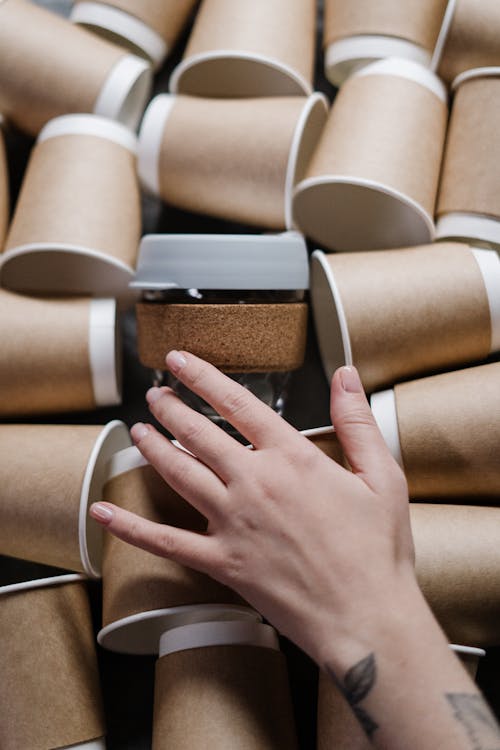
column 358, row 682
column 472, row 711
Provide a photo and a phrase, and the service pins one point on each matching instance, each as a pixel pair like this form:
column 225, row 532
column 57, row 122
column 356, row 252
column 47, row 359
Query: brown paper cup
column 357, row 32
column 249, row 49
column 4, row 189
column 399, row 313
column 57, row 355
column 77, row 222
column 53, row 68
column 233, row 337
column 458, row 568
column 468, row 205
column 373, row 179
column 147, row 27
column 235, row 159
column 49, row 691
column 50, row 475
column 471, row 38
column 144, row 595
column 222, row 685
column 445, row 432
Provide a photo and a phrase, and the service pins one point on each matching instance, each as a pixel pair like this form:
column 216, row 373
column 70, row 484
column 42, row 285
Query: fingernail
column 101, row 512
column 153, row 395
column 139, row 431
column 350, row 380
column 175, row 361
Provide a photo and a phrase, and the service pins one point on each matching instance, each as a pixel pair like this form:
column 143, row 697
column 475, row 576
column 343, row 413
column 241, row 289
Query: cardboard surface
column 4, row 190
column 449, row 430
column 473, row 40
column 41, row 477
column 412, row 311
column 458, row 569
column 45, row 359
column 283, row 30
column 470, row 183
column 228, row 158
column 235, row 338
column 387, row 129
column 224, row 697
column 417, row 21
column 338, row 728
column 49, row 691
column 52, row 68
column 80, row 190
column 135, row 581
column 167, row 17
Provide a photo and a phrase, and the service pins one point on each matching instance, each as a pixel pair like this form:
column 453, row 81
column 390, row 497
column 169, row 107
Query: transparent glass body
column 269, row 387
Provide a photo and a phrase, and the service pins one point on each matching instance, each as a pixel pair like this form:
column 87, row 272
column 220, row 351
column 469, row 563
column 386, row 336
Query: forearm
column 408, row 689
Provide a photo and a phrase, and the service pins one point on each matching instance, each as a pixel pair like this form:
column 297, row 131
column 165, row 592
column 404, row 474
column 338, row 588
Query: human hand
column 320, row 551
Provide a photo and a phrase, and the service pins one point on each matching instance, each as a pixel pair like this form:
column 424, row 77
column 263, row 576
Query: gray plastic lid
column 222, row 261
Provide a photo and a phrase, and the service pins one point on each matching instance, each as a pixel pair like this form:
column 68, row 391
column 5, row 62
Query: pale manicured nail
column 175, row 361
column 101, row 512
column 350, row 380
column 139, row 432
column 153, row 395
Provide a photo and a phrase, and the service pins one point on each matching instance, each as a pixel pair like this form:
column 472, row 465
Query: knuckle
column 355, row 418
column 196, row 374
column 235, row 402
column 166, row 541
column 192, row 430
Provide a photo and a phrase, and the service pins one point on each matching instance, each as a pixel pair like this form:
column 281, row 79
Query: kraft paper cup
column 144, row 595
column 458, row 567
column 224, row 685
column 58, row 355
column 50, row 475
column 249, row 49
column 147, row 27
column 400, row 313
column 358, row 32
column 235, row 159
column 445, row 432
column 54, row 67
column 468, row 200
column 373, row 179
column 471, row 38
column 77, row 222
column 4, row 188
column 49, row 691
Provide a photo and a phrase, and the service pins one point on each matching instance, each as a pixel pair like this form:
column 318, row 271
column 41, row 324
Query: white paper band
column 443, row 35
column 104, row 352
column 205, row 634
column 468, row 650
column 470, row 75
column 411, row 71
column 471, row 227
column 125, row 91
column 124, row 25
column 383, row 406
column 489, row 265
column 123, row 461
column 346, row 56
column 94, row 125
column 150, row 141
column 41, row 583
column 99, row 744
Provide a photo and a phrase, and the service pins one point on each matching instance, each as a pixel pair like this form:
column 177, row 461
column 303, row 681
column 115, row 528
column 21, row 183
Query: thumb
column 358, row 433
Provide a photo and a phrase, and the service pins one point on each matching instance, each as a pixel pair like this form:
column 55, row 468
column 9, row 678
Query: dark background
column 128, row 680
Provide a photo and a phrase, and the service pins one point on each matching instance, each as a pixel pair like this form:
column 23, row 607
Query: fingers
column 256, row 421
column 198, row 434
column 358, row 433
column 183, row 472
column 185, row 547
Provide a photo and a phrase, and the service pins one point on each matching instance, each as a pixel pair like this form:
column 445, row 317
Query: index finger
column 252, row 418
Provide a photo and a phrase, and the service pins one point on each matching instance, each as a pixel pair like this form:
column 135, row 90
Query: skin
column 325, row 554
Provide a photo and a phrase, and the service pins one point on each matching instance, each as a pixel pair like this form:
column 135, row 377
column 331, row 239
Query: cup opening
column 350, row 214
column 98, row 744
column 232, row 73
column 140, row 633
column 329, row 316
column 222, row 633
column 40, row 583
